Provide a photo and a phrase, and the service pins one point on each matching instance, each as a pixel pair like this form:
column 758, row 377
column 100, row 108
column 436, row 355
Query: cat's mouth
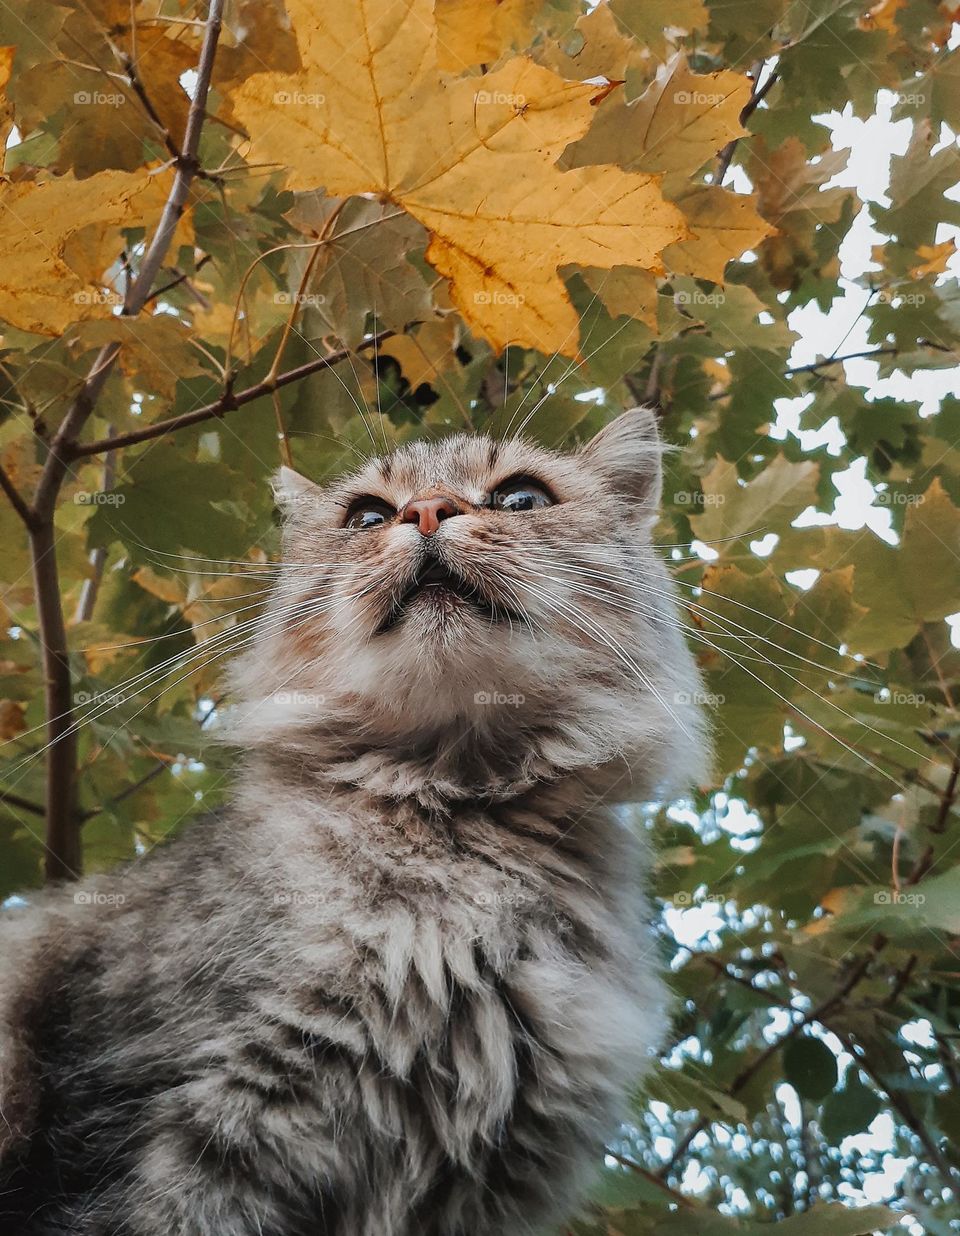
column 439, row 585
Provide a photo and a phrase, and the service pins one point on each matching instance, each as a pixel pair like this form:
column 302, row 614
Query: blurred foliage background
column 309, row 306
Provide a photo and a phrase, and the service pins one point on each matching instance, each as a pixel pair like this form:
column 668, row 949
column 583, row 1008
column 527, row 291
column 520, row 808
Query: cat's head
column 479, row 603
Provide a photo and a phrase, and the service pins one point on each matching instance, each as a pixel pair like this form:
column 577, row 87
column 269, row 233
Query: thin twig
column 63, row 851
column 757, row 95
column 24, row 804
column 855, row 974
column 16, row 498
column 651, row 1177
column 228, row 401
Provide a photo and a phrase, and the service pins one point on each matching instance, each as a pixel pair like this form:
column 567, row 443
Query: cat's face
column 496, row 584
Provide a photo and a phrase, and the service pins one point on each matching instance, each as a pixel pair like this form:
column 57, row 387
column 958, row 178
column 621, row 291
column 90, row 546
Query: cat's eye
column 369, row 513
column 520, row 494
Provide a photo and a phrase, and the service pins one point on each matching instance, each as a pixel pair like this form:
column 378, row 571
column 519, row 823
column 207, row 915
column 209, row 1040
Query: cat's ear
column 629, row 453
column 291, row 490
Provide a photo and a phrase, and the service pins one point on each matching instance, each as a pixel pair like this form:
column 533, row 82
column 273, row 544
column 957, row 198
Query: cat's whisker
column 738, row 661
column 309, row 611
column 624, row 579
column 117, row 694
column 625, row 582
column 588, row 627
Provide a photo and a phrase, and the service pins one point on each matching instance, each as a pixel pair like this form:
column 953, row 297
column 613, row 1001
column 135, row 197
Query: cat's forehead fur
column 465, row 465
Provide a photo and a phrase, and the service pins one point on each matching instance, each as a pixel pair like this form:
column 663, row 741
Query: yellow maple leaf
column 596, row 47
column 679, row 122
column 934, row 259
column 472, row 159
column 881, row 16
column 471, row 32
column 722, row 225
column 424, row 355
column 626, row 292
column 45, row 283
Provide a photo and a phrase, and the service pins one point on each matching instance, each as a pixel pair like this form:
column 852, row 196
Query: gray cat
column 401, row 985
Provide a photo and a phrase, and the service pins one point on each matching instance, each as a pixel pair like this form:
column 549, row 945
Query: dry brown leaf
column 12, row 720
column 461, row 157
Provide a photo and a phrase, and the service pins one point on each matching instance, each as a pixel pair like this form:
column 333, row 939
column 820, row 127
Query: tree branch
column 757, row 95
column 16, row 498
column 24, row 804
column 228, row 401
column 62, row 832
column 855, row 974
column 680, row 1198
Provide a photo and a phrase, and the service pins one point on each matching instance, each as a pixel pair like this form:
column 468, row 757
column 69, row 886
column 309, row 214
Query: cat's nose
column 428, row 513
